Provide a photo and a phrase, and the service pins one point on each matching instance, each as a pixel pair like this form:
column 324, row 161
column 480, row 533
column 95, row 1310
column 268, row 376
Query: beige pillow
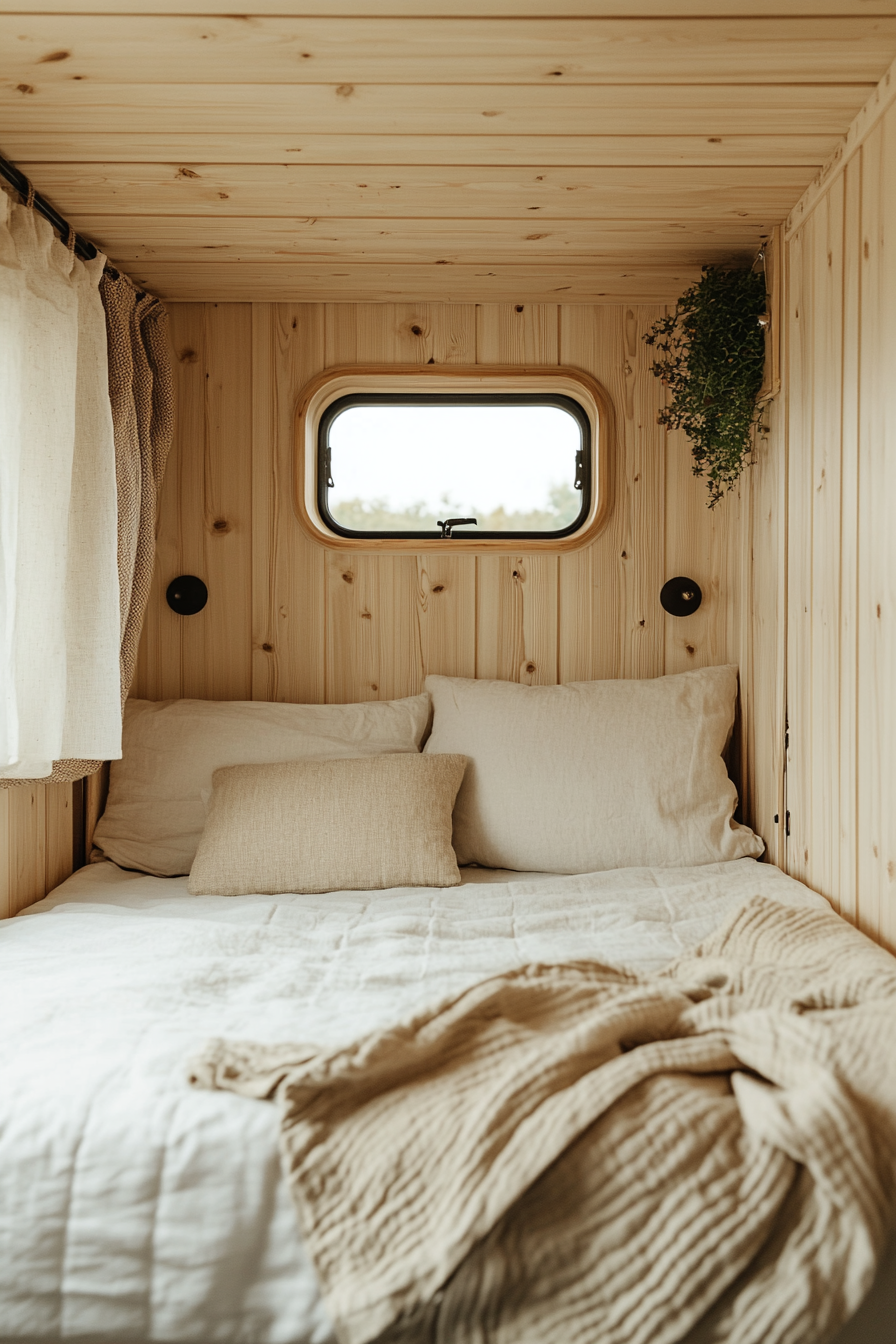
column 594, row 775
column 155, row 813
column 308, row 826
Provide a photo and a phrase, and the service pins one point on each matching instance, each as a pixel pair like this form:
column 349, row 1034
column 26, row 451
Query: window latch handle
column 453, row 522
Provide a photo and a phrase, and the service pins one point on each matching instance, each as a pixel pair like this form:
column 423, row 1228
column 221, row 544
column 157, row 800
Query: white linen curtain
column 59, row 591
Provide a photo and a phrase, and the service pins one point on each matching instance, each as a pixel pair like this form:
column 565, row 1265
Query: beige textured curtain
column 141, row 391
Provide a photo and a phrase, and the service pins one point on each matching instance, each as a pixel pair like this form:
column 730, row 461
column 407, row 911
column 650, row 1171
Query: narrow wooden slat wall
column 37, row 842
column 288, row 620
column 837, row 488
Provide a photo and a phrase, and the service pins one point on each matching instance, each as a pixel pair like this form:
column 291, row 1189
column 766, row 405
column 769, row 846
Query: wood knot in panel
column 348, row 576
column 221, row 525
column 268, row 648
column 54, row 56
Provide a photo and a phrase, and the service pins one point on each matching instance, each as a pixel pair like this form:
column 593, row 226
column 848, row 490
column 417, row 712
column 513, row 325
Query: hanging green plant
column 713, row 355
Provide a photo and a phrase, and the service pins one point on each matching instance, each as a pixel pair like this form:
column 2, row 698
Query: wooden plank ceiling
column 431, row 149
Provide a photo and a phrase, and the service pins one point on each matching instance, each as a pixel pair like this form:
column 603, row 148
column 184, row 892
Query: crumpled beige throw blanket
column 575, row 1153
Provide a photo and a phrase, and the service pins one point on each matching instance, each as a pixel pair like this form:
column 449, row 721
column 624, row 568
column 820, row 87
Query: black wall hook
column 680, row 596
column 186, row 595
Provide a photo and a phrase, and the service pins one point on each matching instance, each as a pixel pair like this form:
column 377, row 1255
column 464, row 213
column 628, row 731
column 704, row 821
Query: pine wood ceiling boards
column 431, row 149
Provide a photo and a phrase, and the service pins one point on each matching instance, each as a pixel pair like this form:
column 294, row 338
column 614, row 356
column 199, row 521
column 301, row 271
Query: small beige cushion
column 308, row 826
column 594, row 775
column 170, row 748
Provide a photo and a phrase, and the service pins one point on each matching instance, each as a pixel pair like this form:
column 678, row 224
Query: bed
column 132, row 1207
column 136, row 1207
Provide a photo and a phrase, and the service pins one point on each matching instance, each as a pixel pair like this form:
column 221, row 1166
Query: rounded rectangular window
column 458, row 466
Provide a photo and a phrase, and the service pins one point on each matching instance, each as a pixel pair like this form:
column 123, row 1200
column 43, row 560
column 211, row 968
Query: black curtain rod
column 85, row 250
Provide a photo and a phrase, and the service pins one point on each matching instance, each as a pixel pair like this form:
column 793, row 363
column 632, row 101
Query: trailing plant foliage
column 712, row 357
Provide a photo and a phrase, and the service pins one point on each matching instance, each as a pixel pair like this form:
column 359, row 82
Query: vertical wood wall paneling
column 6, row 887
column 37, row 843
column 882, row 527
column 876, row 876
column 391, row 620
column 763, row 659
column 60, row 825
column 216, row 511
column 517, row 635
column 757, row 615
column 205, row 520
column 288, row 570
column 28, row 845
column 696, row 546
column 841, row 574
column 799, row 554
column 96, row 791
column 846, row 786
column 590, row 580
column 289, row 620
column 445, row 599
column 641, row 501
column 325, row 627
column 710, row 546
column 825, row 285
column 371, row 607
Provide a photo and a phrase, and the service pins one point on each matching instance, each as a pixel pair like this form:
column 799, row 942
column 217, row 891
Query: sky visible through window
column 401, row 468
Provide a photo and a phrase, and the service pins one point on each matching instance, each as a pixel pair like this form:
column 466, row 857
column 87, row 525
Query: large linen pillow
column 309, row 826
column 170, row 748
column 594, row 775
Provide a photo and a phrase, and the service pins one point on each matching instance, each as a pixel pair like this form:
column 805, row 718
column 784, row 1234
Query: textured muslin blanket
column 577, row 1153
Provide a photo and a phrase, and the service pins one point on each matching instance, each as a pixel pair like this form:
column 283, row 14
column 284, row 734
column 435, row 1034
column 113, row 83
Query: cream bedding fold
column 579, row 1153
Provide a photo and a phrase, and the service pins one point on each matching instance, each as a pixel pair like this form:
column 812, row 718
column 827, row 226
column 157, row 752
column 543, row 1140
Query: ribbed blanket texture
column 575, row 1153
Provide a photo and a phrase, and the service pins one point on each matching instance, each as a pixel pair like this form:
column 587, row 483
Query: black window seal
column 560, row 400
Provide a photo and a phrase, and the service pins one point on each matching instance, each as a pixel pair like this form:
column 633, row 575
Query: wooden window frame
column 332, row 384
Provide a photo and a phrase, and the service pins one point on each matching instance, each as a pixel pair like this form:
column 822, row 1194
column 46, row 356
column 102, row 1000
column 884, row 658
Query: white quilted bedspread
column 134, row 1207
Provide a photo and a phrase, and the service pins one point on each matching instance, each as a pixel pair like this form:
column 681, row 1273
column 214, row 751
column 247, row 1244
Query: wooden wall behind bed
column 40, row 841
column 289, row 620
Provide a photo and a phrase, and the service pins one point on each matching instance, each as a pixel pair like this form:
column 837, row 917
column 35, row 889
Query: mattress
column 132, row 1206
